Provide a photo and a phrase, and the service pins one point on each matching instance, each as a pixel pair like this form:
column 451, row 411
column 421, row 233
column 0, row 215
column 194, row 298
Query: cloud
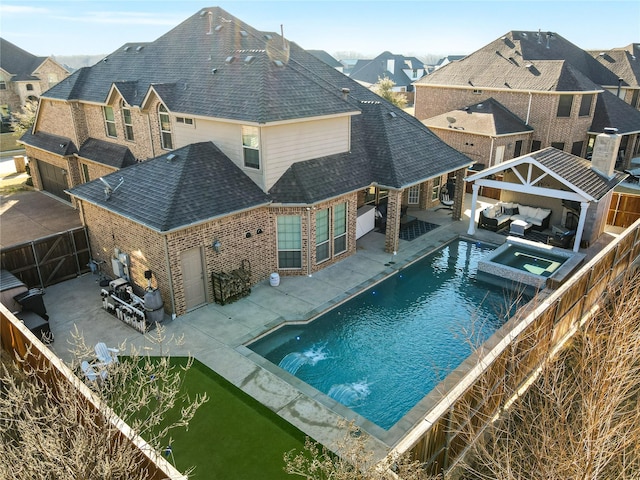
column 20, row 9
column 122, row 18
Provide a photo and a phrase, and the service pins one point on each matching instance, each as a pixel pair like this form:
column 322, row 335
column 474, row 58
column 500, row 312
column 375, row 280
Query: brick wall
column 55, row 118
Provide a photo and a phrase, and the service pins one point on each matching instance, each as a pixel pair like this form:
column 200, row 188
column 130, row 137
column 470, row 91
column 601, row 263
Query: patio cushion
column 490, row 213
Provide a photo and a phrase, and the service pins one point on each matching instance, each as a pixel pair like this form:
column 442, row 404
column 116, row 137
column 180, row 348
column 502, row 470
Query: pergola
column 548, row 173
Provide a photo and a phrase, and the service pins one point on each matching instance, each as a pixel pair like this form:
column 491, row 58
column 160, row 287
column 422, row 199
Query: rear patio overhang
column 534, row 174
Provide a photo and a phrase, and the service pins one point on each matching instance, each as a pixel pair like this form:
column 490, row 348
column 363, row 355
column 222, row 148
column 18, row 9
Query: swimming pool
column 382, row 351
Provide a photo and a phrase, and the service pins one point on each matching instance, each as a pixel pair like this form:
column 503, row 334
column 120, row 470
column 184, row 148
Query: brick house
column 219, row 146
column 557, row 89
column 23, row 76
column 625, row 63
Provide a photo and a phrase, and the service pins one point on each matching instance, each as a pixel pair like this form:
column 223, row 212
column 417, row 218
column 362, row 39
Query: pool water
column 382, row 351
column 536, row 262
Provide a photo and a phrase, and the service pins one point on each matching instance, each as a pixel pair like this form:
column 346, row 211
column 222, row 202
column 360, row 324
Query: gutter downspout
column 308, row 241
column 529, row 108
column 493, row 139
column 169, row 278
column 153, row 150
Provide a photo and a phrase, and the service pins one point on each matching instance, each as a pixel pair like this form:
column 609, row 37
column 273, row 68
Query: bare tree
column 23, row 120
column 580, row 418
column 354, row 461
column 49, row 431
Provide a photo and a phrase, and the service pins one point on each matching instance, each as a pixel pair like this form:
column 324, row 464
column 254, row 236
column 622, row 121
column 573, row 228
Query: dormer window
column 165, row 127
column 109, row 122
column 251, row 146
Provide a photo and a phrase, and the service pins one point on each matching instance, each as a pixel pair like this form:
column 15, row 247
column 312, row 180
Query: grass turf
column 232, row 435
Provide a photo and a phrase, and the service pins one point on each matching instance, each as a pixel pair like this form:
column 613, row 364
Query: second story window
column 29, row 87
column 564, row 105
column 3, row 84
column 128, row 124
column 585, row 105
column 109, row 121
column 251, row 146
column 165, row 127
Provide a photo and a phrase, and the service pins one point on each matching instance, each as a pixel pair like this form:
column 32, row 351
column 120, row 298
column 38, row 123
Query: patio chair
column 91, row 373
column 106, row 355
column 446, row 201
column 562, row 239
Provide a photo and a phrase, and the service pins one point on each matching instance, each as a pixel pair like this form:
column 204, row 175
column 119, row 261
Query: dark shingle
column 107, row 153
column 613, row 112
column 51, row 143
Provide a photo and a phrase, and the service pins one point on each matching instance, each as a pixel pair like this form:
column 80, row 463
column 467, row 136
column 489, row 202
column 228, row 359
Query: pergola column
column 474, row 201
column 584, row 206
column 392, row 232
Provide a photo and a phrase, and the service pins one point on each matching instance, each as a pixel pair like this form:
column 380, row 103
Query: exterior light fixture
column 216, row 246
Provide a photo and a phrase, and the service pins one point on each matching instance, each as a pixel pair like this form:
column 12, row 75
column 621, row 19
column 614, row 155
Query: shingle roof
column 521, row 61
column 18, row 62
column 326, row 58
column 107, row 153
column 578, row 172
column 488, row 117
column 613, row 112
column 51, row 143
column 372, row 70
column 623, row 62
column 187, row 186
column 189, row 67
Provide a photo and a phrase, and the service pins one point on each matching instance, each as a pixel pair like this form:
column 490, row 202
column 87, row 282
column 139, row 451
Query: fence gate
column 49, row 260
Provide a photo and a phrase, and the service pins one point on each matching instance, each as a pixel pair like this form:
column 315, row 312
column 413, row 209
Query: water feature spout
column 350, row 394
column 294, row 360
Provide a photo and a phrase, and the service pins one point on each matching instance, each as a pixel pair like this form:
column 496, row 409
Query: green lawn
column 232, row 436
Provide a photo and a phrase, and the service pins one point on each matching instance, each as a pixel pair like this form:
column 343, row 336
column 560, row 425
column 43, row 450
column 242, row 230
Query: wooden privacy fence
column 49, row 260
column 488, row 379
column 624, row 209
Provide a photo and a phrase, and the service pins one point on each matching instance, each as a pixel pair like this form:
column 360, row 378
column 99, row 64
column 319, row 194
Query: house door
column 54, row 180
column 499, row 155
column 193, row 278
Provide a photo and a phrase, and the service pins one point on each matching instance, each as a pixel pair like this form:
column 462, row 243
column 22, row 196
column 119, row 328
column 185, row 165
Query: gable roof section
column 623, row 62
column 572, row 171
column 50, row 143
column 521, row 61
column 188, row 186
column 107, row 153
column 326, row 58
column 371, row 71
column 488, row 117
column 612, row 112
column 18, row 62
column 225, row 69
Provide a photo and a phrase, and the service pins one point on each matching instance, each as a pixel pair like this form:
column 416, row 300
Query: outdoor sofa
column 501, row 215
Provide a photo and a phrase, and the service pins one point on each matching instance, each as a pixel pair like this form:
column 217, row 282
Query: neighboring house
column 485, row 132
column 24, row 76
column 551, row 85
column 625, row 63
column 247, row 152
column 348, row 64
column 403, row 71
column 328, row 59
column 447, row 60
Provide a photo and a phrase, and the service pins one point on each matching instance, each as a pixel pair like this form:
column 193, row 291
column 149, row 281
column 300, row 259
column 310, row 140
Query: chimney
column 605, row 151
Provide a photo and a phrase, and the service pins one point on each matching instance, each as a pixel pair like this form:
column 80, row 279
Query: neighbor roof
column 18, row 62
column 525, row 61
column 326, row 58
column 488, row 117
column 373, row 70
column 188, row 186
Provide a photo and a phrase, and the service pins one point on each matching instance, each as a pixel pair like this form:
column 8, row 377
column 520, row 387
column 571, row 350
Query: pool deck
column 215, row 334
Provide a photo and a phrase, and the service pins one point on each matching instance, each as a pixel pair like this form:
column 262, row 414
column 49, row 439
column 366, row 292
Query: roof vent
column 171, row 157
column 243, row 33
column 229, row 59
column 610, row 130
column 268, row 36
column 480, row 106
column 126, row 49
column 523, row 34
column 214, row 70
column 139, row 48
column 249, row 58
column 203, row 13
column 345, row 93
column 218, row 28
column 392, row 114
column 105, row 59
column 278, row 63
column 529, row 65
column 602, row 54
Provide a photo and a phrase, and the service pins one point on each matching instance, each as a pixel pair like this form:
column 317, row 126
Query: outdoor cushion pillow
column 490, row 213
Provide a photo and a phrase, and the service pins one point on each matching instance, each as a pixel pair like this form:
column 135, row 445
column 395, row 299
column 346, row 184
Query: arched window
column 165, row 127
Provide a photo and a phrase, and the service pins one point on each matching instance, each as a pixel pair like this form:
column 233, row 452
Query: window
column 435, row 191
column 109, row 121
column 477, row 92
column 165, row 128
column 3, row 84
column 564, row 105
column 558, row 145
column 634, row 98
column 585, row 105
column 85, row 173
column 289, row 242
column 251, row 146
column 185, row 120
column 339, row 228
column 576, row 148
column 322, row 235
column 517, row 150
column 413, row 195
column 29, row 87
column 128, row 124
column 535, row 145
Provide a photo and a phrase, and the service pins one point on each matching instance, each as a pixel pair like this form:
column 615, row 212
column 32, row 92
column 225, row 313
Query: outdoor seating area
column 501, row 215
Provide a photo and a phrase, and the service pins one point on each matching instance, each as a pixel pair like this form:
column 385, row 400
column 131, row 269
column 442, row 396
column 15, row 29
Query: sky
column 364, row 28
